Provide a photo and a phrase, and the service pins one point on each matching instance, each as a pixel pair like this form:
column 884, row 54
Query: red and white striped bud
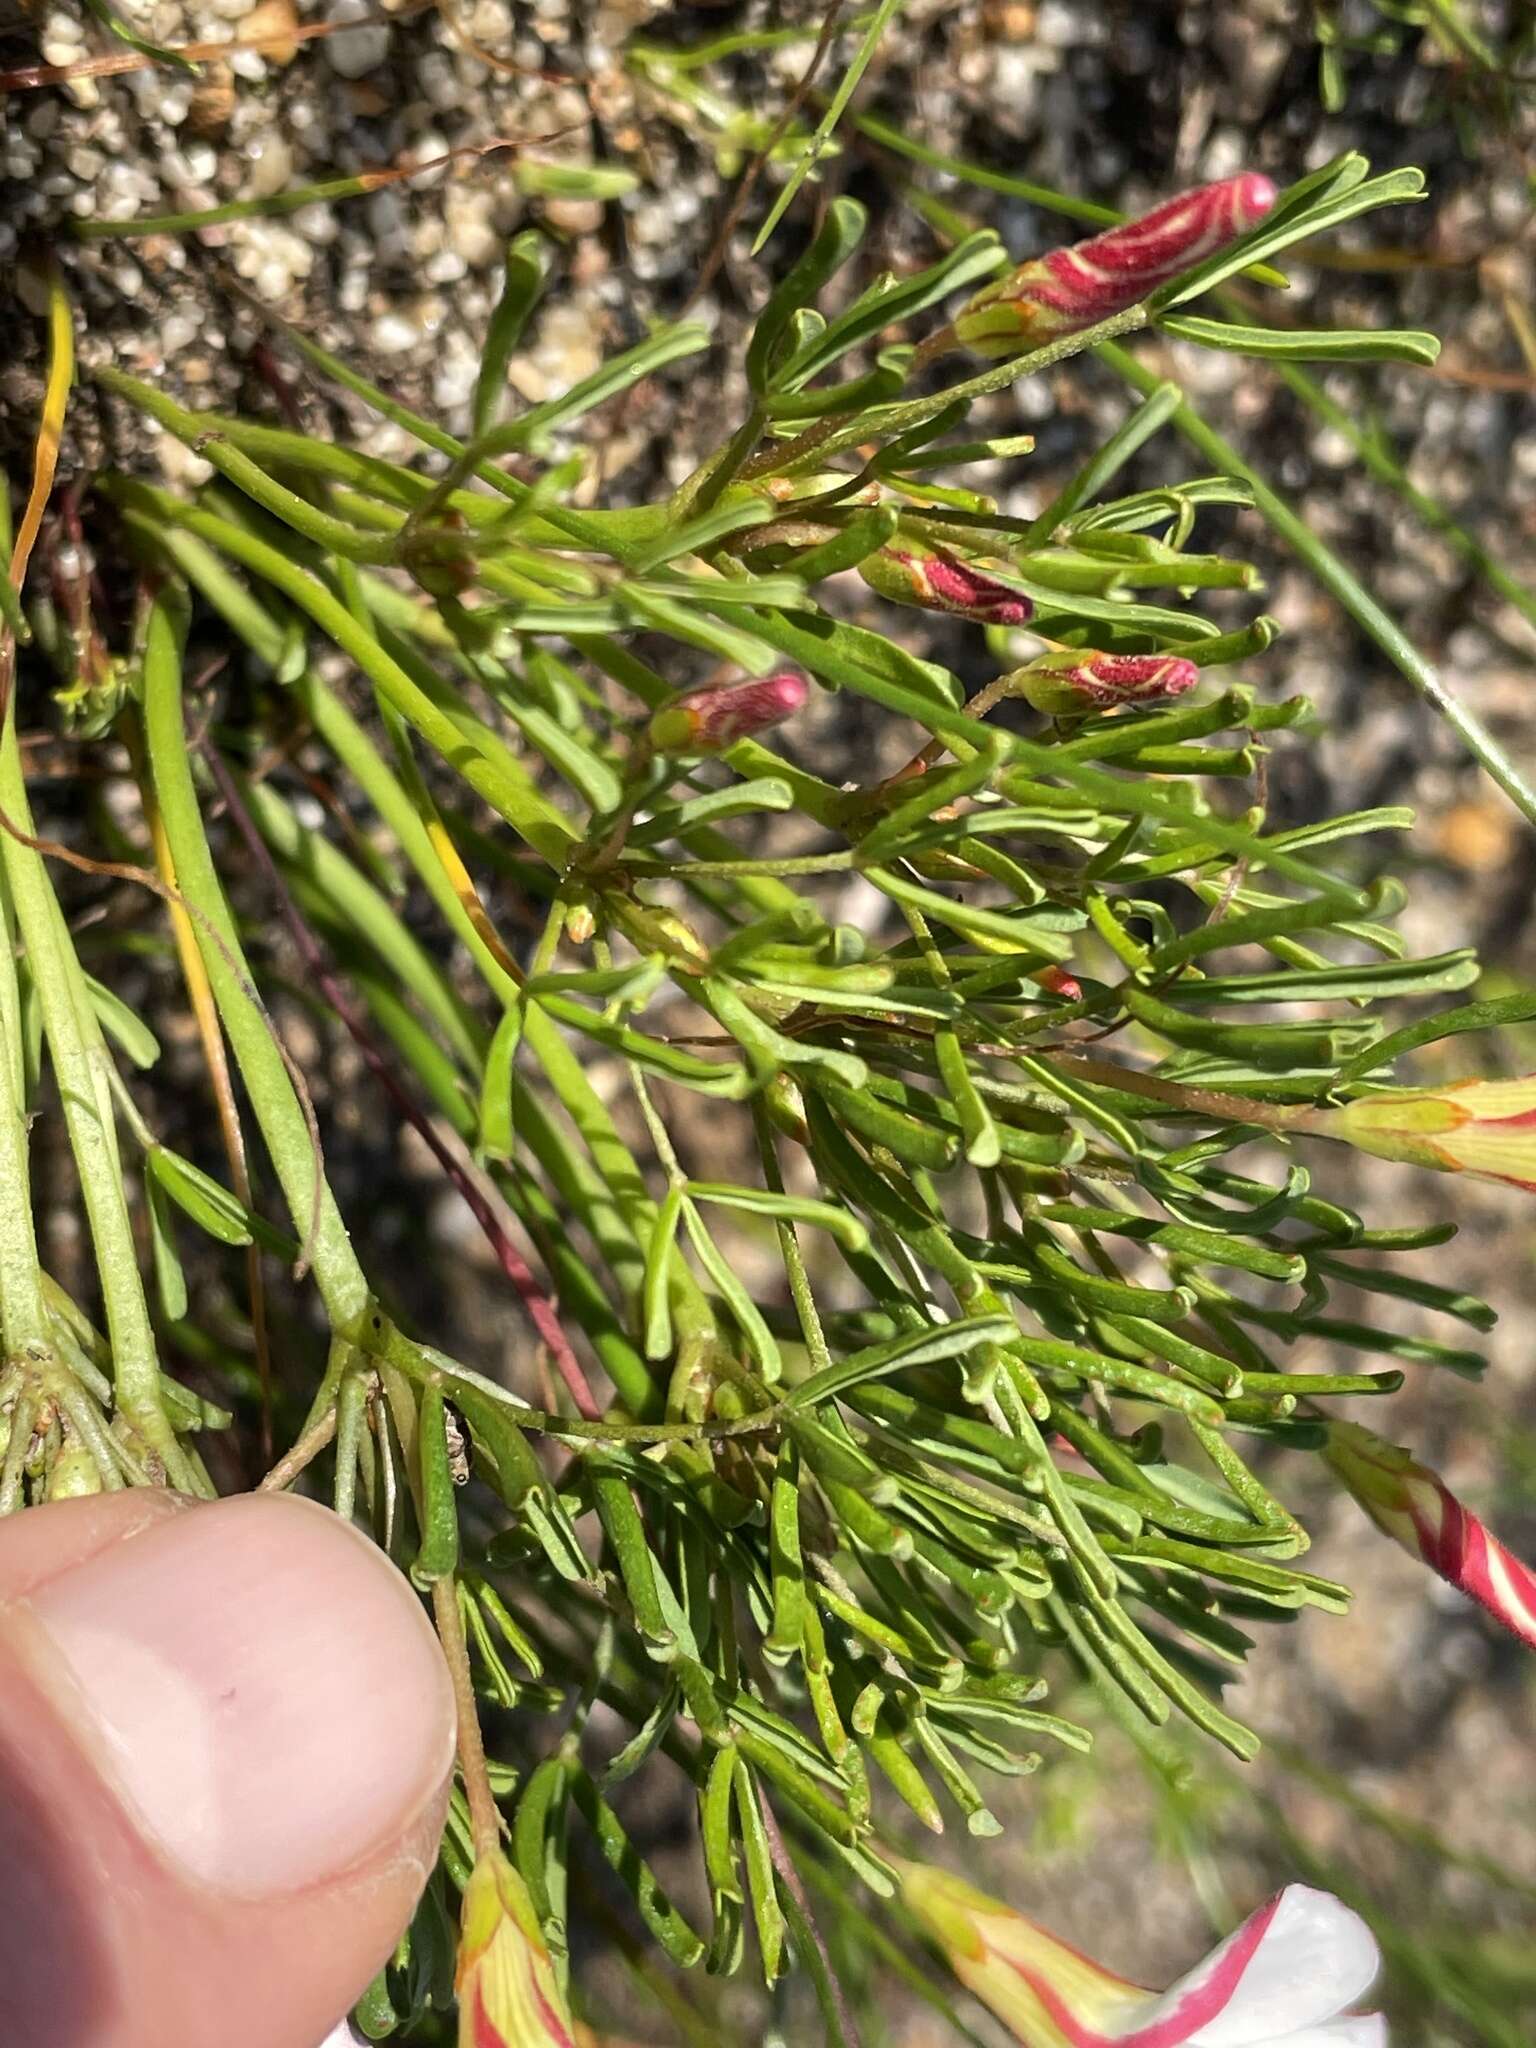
column 909, row 573
column 1072, row 288
column 1073, row 684
column 709, row 721
column 1417, row 1509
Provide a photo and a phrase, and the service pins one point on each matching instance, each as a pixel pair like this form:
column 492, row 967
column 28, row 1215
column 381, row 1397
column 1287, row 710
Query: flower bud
column 1072, row 288
column 1484, row 1128
column 507, row 1992
column 1288, row 1971
column 1057, row 982
column 437, row 556
column 909, row 573
column 1071, row 685
column 708, row 721
column 1417, row 1509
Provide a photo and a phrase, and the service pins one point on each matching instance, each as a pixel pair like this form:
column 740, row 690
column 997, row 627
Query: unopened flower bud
column 1069, row 289
column 1074, row 684
column 437, row 556
column 1417, row 1509
column 709, row 721
column 909, row 573
column 1057, row 982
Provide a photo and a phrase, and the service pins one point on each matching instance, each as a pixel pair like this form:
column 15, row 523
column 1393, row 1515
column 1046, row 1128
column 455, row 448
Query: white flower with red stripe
column 1285, row 1979
column 1073, row 288
column 1417, row 1509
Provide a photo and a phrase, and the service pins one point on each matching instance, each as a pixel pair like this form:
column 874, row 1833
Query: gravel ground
column 1412, row 1700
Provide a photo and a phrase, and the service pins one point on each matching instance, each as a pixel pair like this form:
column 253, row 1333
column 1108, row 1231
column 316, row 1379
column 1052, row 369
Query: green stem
column 23, row 1321
column 1340, row 582
column 1387, row 470
column 80, row 1063
column 489, row 772
column 273, row 1098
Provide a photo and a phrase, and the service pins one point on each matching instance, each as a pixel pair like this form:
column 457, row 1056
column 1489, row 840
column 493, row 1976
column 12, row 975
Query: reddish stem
column 541, row 1310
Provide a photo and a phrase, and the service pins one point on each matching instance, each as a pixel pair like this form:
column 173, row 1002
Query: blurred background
column 1398, row 1767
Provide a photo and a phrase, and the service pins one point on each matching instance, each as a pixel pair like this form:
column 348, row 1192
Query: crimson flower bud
column 1068, row 289
column 909, row 573
column 1057, row 982
column 709, row 721
column 1072, row 684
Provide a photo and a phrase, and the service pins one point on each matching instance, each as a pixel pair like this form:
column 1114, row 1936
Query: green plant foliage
column 963, row 1361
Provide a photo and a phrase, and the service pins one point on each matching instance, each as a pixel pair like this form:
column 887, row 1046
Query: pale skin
column 226, row 1734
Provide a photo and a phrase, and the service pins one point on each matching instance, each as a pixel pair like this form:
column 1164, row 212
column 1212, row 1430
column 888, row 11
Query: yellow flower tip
column 1025, row 1975
column 508, row 1993
column 1484, row 1128
column 1295, row 1965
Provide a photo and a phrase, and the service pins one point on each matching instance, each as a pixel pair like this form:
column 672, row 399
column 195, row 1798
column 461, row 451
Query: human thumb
column 226, row 1735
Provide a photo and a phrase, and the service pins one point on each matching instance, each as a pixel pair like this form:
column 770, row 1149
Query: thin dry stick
column 789, row 1877
column 541, row 1310
column 754, row 170
column 304, row 1452
column 116, row 62
column 484, row 1820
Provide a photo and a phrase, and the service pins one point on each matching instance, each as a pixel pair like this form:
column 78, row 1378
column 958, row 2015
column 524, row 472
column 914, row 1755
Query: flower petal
column 1311, row 1959
column 1369, row 2030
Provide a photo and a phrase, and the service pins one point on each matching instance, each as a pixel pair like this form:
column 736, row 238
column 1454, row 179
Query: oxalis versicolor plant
column 977, row 1375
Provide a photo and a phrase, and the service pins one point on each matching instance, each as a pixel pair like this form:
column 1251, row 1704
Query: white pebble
column 315, row 222
column 271, row 167
column 178, row 331
column 356, row 51
column 392, row 334
column 194, row 165
column 173, row 103
column 180, row 465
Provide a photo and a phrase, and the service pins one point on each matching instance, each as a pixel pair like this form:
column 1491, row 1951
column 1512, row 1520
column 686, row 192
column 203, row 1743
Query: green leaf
column 1298, row 344
column 884, row 15
column 122, row 1024
column 170, row 1280
column 1289, row 224
column 835, row 240
column 891, row 299
column 656, row 1294
column 437, row 1556
column 207, row 1201
column 847, row 1228
column 1384, row 1051
column 526, row 269
column 924, row 1347
column 749, row 1317
column 496, row 1132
